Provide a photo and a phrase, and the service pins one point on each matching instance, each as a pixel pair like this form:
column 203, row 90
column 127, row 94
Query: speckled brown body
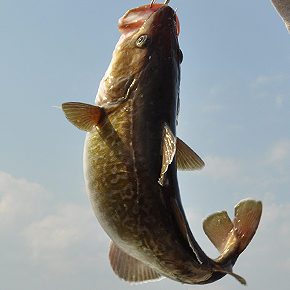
column 131, row 157
column 133, row 208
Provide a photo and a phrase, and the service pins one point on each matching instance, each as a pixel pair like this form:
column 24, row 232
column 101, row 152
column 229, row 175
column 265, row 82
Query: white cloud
column 280, row 151
column 213, row 108
column 264, row 79
column 192, row 215
column 213, row 287
column 214, row 92
column 52, row 241
column 274, row 234
column 40, row 232
column 70, row 224
column 58, row 240
column 279, row 102
column 20, row 200
column 218, row 89
column 217, row 167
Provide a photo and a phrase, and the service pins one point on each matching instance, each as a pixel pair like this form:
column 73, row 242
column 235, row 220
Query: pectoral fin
column 168, row 151
column 83, row 116
column 129, row 268
column 187, row 159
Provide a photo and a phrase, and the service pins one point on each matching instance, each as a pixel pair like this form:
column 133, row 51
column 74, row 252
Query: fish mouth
column 135, row 18
column 163, row 28
column 163, row 17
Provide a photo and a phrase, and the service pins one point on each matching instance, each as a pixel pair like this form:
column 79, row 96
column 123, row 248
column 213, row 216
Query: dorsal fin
column 129, row 268
column 168, row 151
column 187, row 159
column 83, row 116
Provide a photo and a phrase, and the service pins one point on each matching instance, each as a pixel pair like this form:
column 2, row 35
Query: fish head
column 148, row 46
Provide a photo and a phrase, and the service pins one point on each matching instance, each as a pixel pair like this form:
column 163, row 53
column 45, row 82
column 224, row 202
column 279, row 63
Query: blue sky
column 235, row 104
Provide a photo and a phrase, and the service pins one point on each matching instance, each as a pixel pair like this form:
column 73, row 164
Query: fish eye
column 180, row 56
column 142, row 40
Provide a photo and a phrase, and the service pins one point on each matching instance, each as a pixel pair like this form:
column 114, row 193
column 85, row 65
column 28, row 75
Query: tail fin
column 231, row 238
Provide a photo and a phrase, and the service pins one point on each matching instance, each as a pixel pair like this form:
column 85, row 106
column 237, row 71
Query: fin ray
column 187, row 159
column 246, row 221
column 217, row 227
column 83, row 116
column 129, row 268
column 231, row 238
column 168, row 151
column 228, row 236
column 238, row 277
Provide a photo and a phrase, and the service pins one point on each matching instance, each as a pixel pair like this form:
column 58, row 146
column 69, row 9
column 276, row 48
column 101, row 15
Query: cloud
column 276, row 218
column 213, row 108
column 53, row 240
column 217, row 167
column 40, row 232
column 218, row 89
column 264, row 80
column 20, row 200
column 274, row 234
column 279, row 102
column 279, row 152
column 56, row 241
column 70, row 224
column 213, row 287
column 214, row 93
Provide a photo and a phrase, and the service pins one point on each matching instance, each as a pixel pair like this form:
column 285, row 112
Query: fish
column 283, row 8
column 131, row 158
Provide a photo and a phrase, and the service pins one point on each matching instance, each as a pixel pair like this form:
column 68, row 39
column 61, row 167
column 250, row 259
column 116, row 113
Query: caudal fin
column 231, row 238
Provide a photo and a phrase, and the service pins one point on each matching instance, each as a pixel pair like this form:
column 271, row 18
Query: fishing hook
column 153, row 1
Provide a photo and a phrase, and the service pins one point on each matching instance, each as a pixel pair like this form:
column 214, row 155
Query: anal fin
column 129, row 268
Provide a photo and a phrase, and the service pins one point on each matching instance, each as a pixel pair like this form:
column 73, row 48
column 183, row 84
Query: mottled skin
column 123, row 159
column 131, row 156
